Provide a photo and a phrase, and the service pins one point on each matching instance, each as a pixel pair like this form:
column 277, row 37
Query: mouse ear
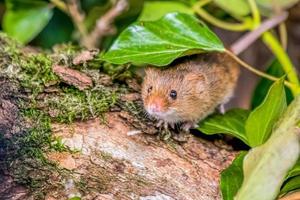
column 196, row 79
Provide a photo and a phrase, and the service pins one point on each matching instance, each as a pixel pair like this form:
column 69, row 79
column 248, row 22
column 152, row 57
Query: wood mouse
column 195, row 85
column 189, row 89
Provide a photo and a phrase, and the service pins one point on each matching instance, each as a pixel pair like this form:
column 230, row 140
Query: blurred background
column 44, row 24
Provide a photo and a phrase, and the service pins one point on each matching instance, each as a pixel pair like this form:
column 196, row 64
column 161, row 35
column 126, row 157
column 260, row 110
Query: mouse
column 189, row 89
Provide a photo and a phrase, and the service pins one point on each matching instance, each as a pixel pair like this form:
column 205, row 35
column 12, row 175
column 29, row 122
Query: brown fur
column 202, row 83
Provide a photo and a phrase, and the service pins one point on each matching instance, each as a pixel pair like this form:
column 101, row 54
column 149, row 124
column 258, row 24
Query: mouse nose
column 155, row 106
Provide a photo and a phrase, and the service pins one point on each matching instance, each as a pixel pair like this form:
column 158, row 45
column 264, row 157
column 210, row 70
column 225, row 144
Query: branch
column 77, row 17
column 104, row 25
column 244, row 42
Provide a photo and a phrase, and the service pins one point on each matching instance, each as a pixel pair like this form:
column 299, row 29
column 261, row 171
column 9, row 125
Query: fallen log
column 105, row 148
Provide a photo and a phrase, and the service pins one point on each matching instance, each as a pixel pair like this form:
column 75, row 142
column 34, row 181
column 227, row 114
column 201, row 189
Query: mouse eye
column 173, row 94
column 150, row 89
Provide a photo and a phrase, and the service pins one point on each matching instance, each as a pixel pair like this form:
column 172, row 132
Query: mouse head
column 169, row 93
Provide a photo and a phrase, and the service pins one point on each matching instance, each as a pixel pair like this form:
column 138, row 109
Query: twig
column 104, row 25
column 77, row 16
column 244, row 42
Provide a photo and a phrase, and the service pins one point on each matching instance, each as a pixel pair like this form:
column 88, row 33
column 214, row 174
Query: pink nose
column 155, row 107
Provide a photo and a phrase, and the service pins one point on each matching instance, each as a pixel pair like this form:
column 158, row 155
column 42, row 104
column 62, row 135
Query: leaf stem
column 60, row 5
column 197, row 8
column 260, row 73
column 255, row 14
column 274, row 45
column 283, row 35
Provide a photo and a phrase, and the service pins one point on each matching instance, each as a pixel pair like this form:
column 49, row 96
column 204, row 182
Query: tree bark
column 141, row 166
column 112, row 158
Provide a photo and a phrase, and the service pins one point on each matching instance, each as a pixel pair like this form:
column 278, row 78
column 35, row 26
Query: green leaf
column 291, row 185
column 160, row 42
column 231, row 123
column 295, row 171
column 261, row 120
column 75, row 198
column 234, row 7
column 154, row 10
column 264, row 85
column 265, row 167
column 23, row 20
column 270, row 4
column 232, row 177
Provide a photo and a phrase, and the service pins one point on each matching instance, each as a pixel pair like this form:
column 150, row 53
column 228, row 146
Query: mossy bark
column 60, row 140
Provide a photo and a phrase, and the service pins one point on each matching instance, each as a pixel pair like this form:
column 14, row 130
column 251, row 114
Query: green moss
column 67, row 49
column 75, row 104
column 36, row 72
column 25, row 158
column 8, row 45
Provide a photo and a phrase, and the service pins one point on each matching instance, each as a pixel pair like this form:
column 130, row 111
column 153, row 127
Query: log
column 119, row 156
column 141, row 166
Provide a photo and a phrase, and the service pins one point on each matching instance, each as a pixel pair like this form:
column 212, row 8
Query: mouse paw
column 163, row 124
column 159, row 123
column 222, row 108
column 189, row 125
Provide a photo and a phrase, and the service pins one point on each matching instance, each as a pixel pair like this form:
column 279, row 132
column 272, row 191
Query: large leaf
column 264, row 85
column 154, row 10
column 265, row 167
column 231, row 123
column 234, row 7
column 160, row 42
column 232, row 177
column 23, row 20
column 261, row 120
column 291, row 185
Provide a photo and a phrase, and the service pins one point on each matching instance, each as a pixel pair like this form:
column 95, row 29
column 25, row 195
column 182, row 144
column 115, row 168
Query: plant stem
column 260, row 73
column 283, row 58
column 255, row 13
column 60, row 5
column 274, row 45
column 245, row 41
column 283, row 35
column 197, row 8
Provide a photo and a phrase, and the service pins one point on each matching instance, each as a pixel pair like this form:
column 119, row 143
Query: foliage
column 261, row 164
column 232, row 177
column 231, row 123
column 252, row 128
column 28, row 17
column 266, row 166
column 154, row 10
column 263, row 85
column 162, row 41
column 261, row 120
